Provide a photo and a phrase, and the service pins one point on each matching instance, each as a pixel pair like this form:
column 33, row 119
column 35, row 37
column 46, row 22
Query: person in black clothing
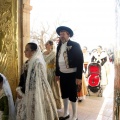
column 23, row 78
column 69, row 68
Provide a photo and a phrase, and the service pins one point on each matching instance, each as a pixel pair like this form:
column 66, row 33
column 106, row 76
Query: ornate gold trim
column 9, row 42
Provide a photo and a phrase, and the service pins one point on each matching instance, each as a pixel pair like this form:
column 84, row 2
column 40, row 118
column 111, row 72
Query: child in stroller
column 94, row 78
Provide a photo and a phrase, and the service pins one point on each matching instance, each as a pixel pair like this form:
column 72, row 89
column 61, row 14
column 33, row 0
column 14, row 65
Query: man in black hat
column 69, row 67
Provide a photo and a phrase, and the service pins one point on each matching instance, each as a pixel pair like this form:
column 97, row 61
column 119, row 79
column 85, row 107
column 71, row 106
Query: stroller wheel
column 99, row 95
column 100, row 92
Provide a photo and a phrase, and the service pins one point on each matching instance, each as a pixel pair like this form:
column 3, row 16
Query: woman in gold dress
column 50, row 56
column 83, row 92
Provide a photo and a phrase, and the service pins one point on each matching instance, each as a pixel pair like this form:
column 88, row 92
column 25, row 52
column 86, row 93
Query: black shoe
column 64, row 118
column 79, row 100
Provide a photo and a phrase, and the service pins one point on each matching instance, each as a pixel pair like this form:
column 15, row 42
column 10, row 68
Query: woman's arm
column 21, row 87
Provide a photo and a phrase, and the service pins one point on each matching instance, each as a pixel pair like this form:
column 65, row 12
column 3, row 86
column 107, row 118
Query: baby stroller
column 94, row 78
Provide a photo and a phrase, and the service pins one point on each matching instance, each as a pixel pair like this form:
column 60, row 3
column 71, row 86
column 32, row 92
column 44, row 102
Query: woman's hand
column 20, row 97
column 57, row 78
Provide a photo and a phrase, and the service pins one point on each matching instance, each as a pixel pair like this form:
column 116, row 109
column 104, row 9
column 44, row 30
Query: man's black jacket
column 75, row 58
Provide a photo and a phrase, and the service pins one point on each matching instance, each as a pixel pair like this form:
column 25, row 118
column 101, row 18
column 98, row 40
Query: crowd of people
column 49, row 80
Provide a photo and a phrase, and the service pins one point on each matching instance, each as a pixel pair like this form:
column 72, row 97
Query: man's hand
column 57, row 78
column 78, row 81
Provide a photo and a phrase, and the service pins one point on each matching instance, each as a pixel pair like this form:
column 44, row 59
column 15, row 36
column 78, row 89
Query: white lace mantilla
column 39, row 100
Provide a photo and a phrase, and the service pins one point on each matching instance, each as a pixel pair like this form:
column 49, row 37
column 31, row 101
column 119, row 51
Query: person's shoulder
column 36, row 61
column 74, row 43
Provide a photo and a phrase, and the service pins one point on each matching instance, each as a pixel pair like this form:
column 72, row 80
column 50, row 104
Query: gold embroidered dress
column 83, row 92
column 50, row 63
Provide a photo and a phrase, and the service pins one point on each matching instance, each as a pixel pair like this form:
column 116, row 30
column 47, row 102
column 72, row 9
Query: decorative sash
column 50, row 66
column 66, row 59
column 65, row 55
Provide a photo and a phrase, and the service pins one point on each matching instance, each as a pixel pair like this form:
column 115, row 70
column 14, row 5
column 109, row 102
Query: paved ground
column 97, row 108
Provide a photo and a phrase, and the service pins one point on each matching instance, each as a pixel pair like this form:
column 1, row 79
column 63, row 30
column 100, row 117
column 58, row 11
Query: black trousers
column 68, row 86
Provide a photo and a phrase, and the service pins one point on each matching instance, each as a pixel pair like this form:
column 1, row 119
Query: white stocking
column 66, row 107
column 74, row 108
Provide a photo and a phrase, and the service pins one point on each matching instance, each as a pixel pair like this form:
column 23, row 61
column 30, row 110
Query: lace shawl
column 39, row 100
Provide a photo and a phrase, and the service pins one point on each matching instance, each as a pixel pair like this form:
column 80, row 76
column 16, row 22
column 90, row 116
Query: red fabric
column 93, row 80
column 94, row 69
column 94, row 75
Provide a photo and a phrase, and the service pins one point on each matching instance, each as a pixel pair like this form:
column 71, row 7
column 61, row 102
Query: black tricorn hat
column 64, row 28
